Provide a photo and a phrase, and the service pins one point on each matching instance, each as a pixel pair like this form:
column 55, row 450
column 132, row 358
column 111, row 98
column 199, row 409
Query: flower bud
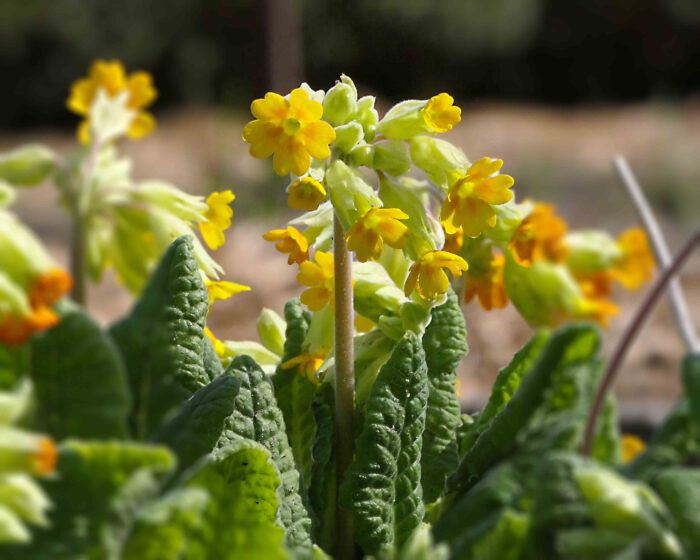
column 361, row 156
column 340, row 103
column 591, row 251
column 404, row 120
column 27, row 166
column 347, row 136
column 391, row 157
column 271, row 331
column 367, row 116
column 439, row 159
column 350, row 195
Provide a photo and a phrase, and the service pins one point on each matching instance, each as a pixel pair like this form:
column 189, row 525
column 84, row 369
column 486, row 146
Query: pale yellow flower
column 440, row 113
column 377, row 226
column 427, row 274
column 218, row 218
column 319, row 277
column 290, row 240
column 306, row 194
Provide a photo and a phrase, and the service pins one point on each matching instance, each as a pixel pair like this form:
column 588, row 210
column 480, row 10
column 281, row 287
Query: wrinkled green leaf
column 162, row 339
column 322, row 490
column 257, row 418
column 679, row 488
column 196, row 428
column 445, row 344
column 382, row 486
column 80, row 385
column 210, row 361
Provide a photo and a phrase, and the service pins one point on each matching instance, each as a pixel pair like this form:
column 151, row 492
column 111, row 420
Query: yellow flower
column 44, row 458
column 291, row 129
column 487, row 285
column 469, row 199
column 599, row 310
column 631, row 446
column 111, row 77
column 291, row 241
column 308, row 363
column 428, row 276
column 440, row 113
column 540, row 236
column 319, row 277
column 377, row 226
column 596, row 285
column 219, row 290
column 306, row 194
column 218, row 218
column 49, row 287
column 363, row 324
column 636, row 264
column 454, row 241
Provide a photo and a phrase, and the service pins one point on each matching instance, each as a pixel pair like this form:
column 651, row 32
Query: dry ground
column 560, row 155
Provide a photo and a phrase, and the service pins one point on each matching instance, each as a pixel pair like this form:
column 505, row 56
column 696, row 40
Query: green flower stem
column 77, row 259
column 633, row 327
column 344, row 384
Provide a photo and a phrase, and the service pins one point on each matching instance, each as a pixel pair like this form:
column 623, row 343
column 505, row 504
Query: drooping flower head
column 376, row 227
column 218, row 218
column 440, row 113
column 427, row 274
column 487, row 284
column 308, row 363
column 290, row 130
column 306, row 194
column 636, row 263
column 540, row 236
column 290, row 240
column 111, row 77
column 318, row 276
column 469, row 199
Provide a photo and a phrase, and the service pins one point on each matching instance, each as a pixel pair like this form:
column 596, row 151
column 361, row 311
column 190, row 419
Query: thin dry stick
column 630, row 334
column 679, row 305
column 344, row 384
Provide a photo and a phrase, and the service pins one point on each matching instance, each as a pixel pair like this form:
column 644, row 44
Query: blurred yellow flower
column 218, row 218
column 377, row 226
column 440, row 113
column 319, row 277
column 630, row 447
column 16, row 328
column 308, row 363
column 44, row 457
column 219, row 347
column 306, row 194
column 427, row 274
column 454, row 241
column 636, row 265
column 111, row 77
column 600, row 310
column 363, row 324
column 292, row 241
column 540, row 236
column 290, row 130
column 219, row 290
column 469, row 199
column 49, row 287
column 487, row 285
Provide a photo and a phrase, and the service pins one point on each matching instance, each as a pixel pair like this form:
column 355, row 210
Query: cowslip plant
column 339, row 433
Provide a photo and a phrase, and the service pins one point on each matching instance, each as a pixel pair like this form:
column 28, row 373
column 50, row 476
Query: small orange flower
column 427, row 274
column 377, row 226
column 44, row 459
column 487, row 285
column 49, row 287
column 292, row 241
column 540, row 236
column 319, row 277
column 289, row 130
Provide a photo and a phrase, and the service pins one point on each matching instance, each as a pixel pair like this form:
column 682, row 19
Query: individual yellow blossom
column 290, row 130
column 111, row 77
column 469, row 199
column 363, row 324
column 16, row 329
column 49, row 287
column 219, row 290
column 454, row 241
column 292, row 241
column 487, row 285
column 596, row 285
column 377, row 226
column 540, row 236
column 636, row 265
column 631, row 446
column 599, row 310
column 427, row 274
column 218, row 218
column 306, row 194
column 44, row 458
column 440, row 113
column 308, row 363
column 319, row 278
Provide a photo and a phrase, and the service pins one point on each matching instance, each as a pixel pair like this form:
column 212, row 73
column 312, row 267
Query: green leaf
column 445, row 344
column 295, row 393
column 568, row 350
column 322, row 489
column 14, row 362
column 606, row 444
column 80, row 384
column 679, row 488
column 257, row 418
column 690, row 373
column 210, row 361
column 383, row 487
column 197, row 426
column 162, row 339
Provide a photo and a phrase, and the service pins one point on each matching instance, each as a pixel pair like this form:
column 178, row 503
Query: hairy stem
column 630, row 334
column 679, row 306
column 344, row 383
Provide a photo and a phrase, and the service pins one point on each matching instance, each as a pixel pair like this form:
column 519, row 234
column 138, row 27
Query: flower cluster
column 410, row 235
column 23, row 456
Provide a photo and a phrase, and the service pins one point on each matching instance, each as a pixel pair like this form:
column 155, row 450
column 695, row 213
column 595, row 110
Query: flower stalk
column 344, row 383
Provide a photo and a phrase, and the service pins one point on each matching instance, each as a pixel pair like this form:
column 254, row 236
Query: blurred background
column 554, row 88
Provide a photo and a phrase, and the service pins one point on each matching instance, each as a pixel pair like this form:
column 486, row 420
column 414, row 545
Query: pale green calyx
column 591, row 251
column 271, row 328
column 340, row 103
column 27, row 166
column 438, row 159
